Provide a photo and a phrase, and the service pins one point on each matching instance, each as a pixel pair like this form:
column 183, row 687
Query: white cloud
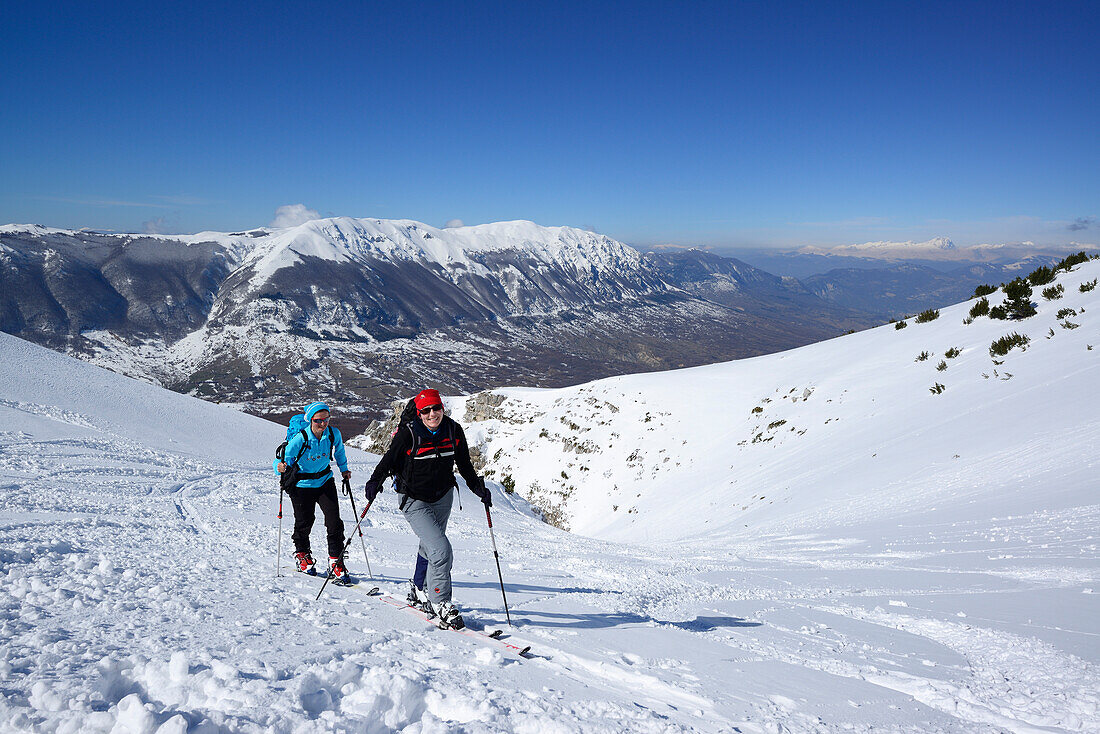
column 453, row 223
column 291, row 215
column 157, row 225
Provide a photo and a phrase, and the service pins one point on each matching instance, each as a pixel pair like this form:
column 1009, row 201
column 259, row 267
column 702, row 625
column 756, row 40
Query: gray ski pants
column 429, row 521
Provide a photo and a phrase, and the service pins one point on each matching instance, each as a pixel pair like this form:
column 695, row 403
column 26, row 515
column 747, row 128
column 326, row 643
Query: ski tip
column 495, row 634
column 524, row 651
column 375, row 592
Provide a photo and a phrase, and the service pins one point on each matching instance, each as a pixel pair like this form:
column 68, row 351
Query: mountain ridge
column 363, row 309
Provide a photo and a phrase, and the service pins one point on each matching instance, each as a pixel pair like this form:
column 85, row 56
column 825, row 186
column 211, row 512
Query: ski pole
column 351, row 496
column 496, row 555
column 345, row 550
column 279, row 546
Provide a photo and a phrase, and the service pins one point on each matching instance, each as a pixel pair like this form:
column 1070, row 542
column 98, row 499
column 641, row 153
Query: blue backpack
column 299, row 424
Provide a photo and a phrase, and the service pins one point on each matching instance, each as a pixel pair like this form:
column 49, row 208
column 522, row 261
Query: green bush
column 1070, row 260
column 1065, row 313
column 1054, row 292
column 937, row 389
column 1086, row 287
column 942, row 365
column 1005, row 344
column 952, row 352
column 981, row 308
column 1018, row 301
column 998, row 312
column 922, row 356
column 925, row 316
column 1041, row 275
column 900, row 325
column 984, row 290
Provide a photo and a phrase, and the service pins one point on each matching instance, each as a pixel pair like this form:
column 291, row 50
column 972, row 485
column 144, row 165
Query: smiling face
column 319, row 422
column 431, row 416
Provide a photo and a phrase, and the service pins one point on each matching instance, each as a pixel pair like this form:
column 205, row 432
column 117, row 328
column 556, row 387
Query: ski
column 353, row 583
column 494, row 638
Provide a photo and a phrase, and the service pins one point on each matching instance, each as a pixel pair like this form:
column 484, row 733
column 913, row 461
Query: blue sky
column 721, row 124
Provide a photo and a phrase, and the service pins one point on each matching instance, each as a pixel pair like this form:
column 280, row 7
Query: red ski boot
column 304, row 562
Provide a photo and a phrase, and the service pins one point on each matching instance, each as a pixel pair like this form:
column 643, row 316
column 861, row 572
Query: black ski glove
column 372, row 489
column 482, row 492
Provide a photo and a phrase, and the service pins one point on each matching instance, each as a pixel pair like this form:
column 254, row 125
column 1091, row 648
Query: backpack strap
column 406, row 471
column 305, row 445
column 331, row 444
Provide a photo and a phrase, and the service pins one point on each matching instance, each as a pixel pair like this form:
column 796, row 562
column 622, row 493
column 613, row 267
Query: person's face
column 432, row 416
column 319, row 422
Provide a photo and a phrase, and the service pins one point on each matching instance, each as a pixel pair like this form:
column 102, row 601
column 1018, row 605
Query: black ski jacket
column 428, row 475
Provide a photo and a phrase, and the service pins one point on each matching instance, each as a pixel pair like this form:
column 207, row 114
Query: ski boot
column 418, row 599
column 449, row 618
column 338, row 572
column 304, row 563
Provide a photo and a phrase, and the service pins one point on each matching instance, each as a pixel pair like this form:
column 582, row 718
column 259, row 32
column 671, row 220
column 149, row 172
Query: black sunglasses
column 431, row 408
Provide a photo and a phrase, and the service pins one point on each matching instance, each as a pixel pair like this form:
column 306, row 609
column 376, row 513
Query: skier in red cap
column 422, row 457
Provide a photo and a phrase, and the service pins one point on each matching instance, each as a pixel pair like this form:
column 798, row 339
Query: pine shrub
column 1086, row 287
column 984, row 290
column 952, row 352
column 925, row 316
column 1054, row 292
column 922, row 356
column 1018, row 301
column 1005, row 344
column 937, row 389
column 998, row 312
column 1065, row 313
column 981, row 308
column 1070, row 260
column 1041, row 276
column 900, row 325
column 942, row 365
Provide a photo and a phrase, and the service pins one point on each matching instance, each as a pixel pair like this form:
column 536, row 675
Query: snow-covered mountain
column 810, row 541
column 360, row 310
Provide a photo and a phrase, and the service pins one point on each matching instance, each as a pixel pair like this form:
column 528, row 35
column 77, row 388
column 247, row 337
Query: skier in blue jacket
column 311, row 451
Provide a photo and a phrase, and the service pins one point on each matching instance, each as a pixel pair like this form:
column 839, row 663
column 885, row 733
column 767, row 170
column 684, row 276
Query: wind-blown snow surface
column 880, row 583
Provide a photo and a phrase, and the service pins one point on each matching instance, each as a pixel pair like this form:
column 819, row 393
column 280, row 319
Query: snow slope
column 138, row 539
column 828, row 435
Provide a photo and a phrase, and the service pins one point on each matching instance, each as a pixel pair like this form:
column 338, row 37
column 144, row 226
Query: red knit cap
column 427, row 398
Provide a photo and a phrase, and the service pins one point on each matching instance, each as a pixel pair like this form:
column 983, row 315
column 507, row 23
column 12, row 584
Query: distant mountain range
column 893, row 279
column 358, row 311
column 938, row 253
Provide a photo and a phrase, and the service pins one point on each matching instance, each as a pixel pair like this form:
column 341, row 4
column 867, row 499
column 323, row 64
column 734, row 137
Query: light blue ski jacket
column 314, row 467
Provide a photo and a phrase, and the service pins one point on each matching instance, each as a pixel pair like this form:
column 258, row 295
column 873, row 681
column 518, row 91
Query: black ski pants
column 305, row 501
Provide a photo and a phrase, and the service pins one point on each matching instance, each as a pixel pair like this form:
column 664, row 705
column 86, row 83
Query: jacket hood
column 313, row 409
